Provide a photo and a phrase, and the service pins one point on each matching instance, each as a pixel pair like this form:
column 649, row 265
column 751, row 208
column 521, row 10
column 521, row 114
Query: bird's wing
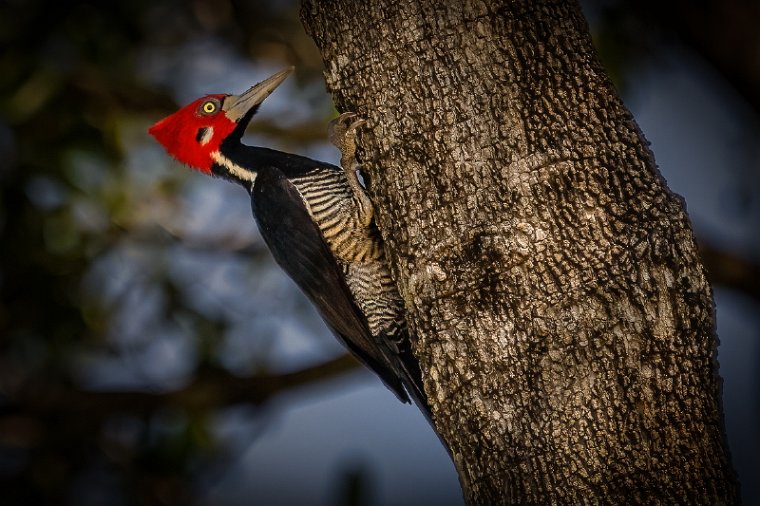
column 299, row 248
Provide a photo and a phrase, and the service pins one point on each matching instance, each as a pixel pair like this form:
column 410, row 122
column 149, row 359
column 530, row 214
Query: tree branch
column 203, row 393
column 730, row 270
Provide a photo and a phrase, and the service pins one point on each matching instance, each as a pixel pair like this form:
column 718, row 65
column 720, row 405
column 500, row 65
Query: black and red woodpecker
column 317, row 221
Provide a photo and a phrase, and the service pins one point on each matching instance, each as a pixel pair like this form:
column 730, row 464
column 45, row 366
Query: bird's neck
column 241, row 163
column 229, row 164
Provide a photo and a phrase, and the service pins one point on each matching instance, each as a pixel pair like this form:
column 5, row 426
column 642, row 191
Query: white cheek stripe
column 208, row 133
column 233, row 168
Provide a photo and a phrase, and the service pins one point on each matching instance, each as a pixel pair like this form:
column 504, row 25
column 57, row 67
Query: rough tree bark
column 563, row 322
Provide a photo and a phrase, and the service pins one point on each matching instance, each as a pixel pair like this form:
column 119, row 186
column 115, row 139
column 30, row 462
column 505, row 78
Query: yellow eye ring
column 209, row 107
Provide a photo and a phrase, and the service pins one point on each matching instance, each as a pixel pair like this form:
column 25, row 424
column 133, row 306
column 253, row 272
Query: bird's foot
column 342, row 133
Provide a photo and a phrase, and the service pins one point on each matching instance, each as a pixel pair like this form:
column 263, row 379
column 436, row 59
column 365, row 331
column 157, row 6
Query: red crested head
column 194, row 134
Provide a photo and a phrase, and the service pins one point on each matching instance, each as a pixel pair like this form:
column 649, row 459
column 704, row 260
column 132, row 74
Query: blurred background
column 151, row 353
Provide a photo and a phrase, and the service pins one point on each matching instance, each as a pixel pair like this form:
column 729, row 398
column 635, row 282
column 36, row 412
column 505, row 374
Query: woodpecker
column 317, row 221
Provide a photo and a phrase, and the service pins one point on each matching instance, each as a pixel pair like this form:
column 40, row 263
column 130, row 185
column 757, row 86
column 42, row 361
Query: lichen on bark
column 561, row 316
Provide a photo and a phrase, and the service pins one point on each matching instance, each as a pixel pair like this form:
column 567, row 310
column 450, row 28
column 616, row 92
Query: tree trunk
column 561, row 315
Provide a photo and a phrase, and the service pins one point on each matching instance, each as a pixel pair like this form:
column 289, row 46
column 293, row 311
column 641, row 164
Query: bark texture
column 563, row 322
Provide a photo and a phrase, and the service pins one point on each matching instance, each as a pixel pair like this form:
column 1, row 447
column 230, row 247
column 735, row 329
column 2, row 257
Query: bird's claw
column 342, row 130
column 347, row 118
column 342, row 133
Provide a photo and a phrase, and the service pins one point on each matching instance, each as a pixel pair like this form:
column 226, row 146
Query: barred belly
column 357, row 248
column 338, row 214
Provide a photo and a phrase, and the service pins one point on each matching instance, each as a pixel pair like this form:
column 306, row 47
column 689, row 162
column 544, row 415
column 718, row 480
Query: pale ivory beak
column 237, row 106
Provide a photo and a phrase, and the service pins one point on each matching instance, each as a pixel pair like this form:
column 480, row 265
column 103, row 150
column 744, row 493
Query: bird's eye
column 209, row 107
